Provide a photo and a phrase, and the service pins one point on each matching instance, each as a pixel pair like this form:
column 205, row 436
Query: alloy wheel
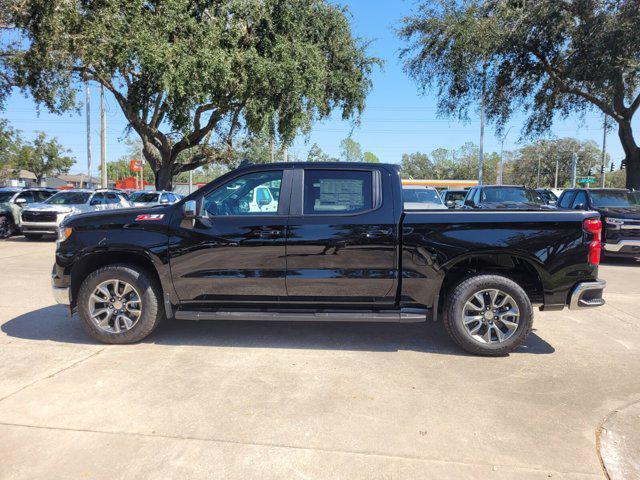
column 491, row 316
column 115, row 306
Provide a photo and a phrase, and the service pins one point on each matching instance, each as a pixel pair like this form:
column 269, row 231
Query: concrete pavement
column 318, row 401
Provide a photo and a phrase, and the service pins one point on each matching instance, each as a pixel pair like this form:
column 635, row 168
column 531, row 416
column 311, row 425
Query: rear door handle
column 383, row 232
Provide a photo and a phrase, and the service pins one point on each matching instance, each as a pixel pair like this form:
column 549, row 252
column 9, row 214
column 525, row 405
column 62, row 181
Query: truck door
column 235, row 252
column 341, row 239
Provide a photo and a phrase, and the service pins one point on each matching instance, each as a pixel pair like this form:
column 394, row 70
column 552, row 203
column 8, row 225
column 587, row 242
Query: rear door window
column 566, row 199
column 337, row 192
column 581, row 199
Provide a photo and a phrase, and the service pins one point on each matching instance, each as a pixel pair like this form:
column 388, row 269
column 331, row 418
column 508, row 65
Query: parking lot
column 261, row 400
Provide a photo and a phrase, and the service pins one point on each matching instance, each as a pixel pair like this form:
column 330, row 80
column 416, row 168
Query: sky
column 398, row 118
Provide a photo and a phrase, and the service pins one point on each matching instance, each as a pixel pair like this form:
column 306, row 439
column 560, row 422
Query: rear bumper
column 587, row 295
column 631, row 247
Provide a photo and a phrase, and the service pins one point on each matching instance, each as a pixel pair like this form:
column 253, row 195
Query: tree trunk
column 164, row 176
column 632, row 154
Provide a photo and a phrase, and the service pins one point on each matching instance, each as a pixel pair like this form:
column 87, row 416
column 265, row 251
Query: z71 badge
column 149, row 218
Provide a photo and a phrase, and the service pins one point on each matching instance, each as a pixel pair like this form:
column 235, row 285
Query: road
column 310, row 401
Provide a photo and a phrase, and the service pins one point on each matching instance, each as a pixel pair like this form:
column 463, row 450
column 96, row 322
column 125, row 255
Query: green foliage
column 43, row 157
column 10, row 142
column 443, row 164
column 350, row 150
column 190, row 75
column 317, row 155
column 546, row 57
column 370, row 158
column 523, row 168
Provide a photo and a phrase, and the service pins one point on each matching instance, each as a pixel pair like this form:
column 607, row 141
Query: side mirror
column 263, row 201
column 579, row 206
column 21, row 201
column 190, row 209
column 450, row 204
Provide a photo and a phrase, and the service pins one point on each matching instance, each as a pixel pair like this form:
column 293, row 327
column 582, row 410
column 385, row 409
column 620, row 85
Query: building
column 20, row 178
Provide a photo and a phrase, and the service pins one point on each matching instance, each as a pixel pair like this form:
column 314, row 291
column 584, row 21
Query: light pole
column 604, row 151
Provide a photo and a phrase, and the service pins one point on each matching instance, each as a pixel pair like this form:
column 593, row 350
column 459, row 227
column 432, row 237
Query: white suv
column 44, row 218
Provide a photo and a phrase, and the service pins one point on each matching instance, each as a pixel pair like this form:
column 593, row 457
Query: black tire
column 6, row 226
column 453, row 318
column 33, row 236
column 152, row 310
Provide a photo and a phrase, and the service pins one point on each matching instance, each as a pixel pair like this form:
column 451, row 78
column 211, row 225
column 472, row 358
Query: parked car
column 418, row 197
column 44, row 218
column 453, row 198
column 149, row 198
column 13, row 200
column 504, row 197
column 548, row 196
column 338, row 247
column 620, row 212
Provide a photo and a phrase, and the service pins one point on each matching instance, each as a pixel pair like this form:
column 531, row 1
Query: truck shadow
column 53, row 324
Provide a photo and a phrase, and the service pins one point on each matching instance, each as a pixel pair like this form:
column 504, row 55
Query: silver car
column 149, row 198
column 418, row 197
column 44, row 218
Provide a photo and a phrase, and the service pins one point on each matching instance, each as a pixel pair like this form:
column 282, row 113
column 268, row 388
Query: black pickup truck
column 314, row 241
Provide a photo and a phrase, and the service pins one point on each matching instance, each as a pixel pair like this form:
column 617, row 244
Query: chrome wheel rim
column 115, row 306
column 491, row 316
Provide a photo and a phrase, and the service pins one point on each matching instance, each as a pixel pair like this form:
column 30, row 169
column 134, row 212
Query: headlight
column 614, row 222
column 64, row 233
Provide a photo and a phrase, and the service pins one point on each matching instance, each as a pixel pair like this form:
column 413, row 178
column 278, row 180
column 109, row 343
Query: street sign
column 587, row 180
column 135, row 165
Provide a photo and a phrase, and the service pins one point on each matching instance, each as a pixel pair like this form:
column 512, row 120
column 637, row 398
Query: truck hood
column 118, row 215
column 45, row 207
column 620, row 212
column 516, row 206
column 423, row 206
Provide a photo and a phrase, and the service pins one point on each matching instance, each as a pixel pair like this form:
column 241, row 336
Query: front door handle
column 375, row 233
column 270, row 233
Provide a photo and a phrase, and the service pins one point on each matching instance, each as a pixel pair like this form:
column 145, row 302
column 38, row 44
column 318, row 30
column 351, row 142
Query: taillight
column 594, row 226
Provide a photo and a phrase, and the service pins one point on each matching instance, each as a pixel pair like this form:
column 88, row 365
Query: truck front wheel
column 6, row 226
column 120, row 304
column 488, row 315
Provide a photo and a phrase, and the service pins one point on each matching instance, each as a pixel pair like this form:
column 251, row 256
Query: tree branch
column 566, row 88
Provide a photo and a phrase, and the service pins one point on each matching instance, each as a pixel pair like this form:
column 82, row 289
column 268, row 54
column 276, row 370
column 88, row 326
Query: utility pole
column 555, row 183
column 539, row 166
column 103, row 141
column 574, row 169
column 190, row 181
column 88, row 114
column 482, row 120
column 501, row 165
column 604, row 151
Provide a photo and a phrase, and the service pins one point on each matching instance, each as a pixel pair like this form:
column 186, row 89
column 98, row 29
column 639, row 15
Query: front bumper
column 49, row 228
column 587, row 295
column 60, row 287
column 61, row 295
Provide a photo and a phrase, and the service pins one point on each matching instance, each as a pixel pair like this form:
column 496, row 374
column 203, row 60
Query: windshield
column 615, row 199
column 144, row 197
column 68, row 198
column 414, row 195
column 548, row 195
column 510, row 194
column 6, row 196
column 455, row 196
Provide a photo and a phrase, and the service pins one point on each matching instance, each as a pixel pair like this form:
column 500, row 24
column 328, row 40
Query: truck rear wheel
column 488, row 315
column 120, row 304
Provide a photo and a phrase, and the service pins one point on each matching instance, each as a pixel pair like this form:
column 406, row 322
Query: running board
column 389, row 316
